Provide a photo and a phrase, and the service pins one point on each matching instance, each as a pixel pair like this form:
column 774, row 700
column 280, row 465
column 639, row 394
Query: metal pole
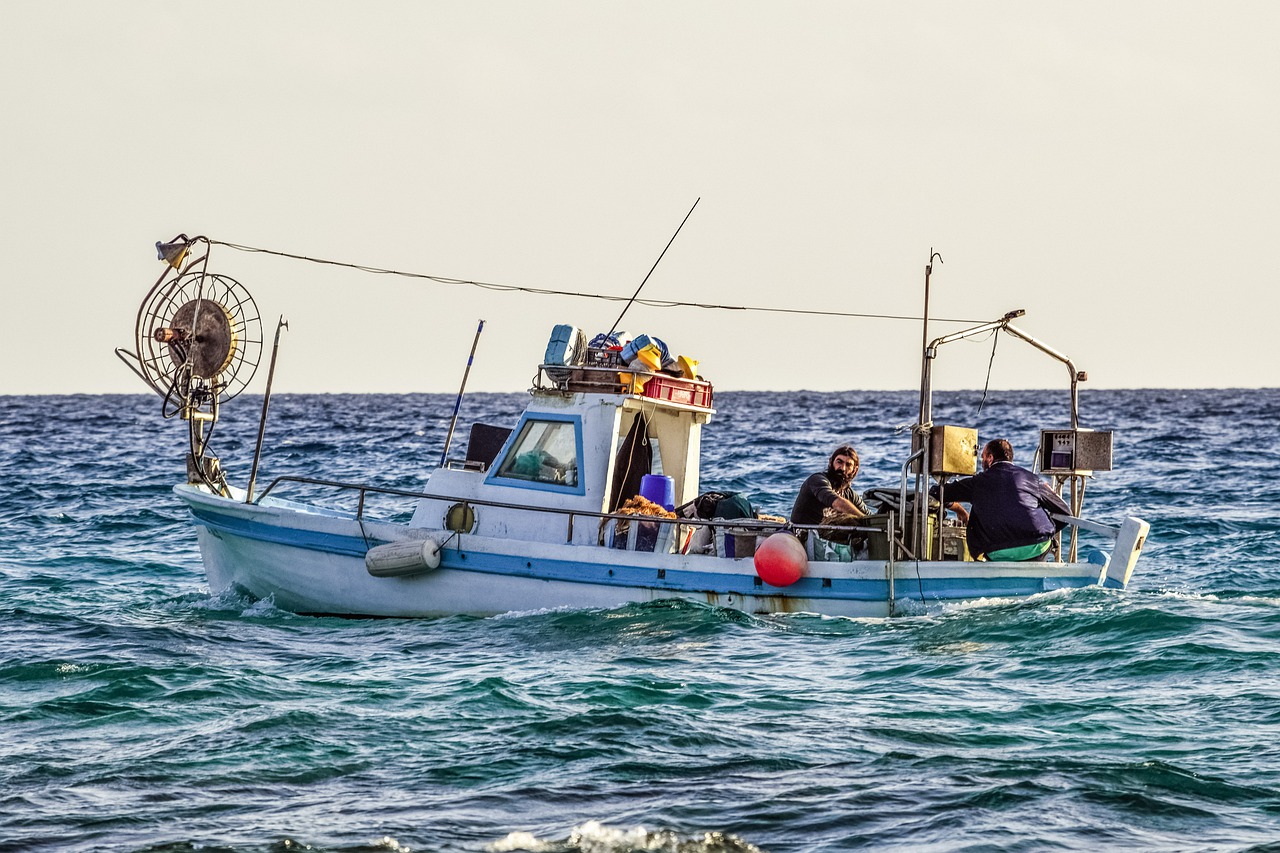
column 266, row 401
column 458, row 404
column 925, row 412
column 921, row 509
column 1077, row 376
column 888, row 564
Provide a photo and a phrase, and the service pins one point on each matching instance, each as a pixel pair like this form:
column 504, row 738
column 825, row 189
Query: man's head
column 997, row 450
column 842, row 467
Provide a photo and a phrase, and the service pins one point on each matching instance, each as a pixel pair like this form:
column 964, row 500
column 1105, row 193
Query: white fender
column 401, row 559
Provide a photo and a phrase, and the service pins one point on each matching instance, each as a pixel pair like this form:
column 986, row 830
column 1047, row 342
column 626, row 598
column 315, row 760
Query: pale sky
column 1111, row 167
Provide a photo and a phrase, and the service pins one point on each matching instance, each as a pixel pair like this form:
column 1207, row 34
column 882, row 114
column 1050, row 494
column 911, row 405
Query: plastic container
column 633, row 383
column 660, row 489
column 603, row 357
column 566, row 346
column 676, row 390
column 650, row 357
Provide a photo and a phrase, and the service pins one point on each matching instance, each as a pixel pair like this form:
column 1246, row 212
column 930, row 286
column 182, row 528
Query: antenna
column 614, row 327
column 458, row 404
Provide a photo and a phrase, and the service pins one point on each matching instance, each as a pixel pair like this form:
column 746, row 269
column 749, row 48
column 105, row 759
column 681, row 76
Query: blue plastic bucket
column 660, row 489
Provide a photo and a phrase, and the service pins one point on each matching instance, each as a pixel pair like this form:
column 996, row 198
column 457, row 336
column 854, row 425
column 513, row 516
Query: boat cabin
column 583, row 443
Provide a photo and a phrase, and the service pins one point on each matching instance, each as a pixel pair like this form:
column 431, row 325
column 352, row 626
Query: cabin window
column 545, row 452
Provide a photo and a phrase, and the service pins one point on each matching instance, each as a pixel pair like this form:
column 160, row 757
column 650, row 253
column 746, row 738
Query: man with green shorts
column 1010, row 516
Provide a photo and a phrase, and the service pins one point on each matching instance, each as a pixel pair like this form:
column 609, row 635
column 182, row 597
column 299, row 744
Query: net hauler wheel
column 200, row 333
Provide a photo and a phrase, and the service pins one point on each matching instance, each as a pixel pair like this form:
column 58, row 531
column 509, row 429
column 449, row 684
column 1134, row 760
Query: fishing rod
column 614, row 327
column 458, row 404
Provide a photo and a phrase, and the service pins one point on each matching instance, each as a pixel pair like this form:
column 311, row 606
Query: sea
column 140, row 712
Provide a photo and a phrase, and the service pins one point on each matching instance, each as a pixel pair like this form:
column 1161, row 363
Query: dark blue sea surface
column 139, row 713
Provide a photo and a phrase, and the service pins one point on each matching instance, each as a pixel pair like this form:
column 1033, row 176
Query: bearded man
column 827, row 497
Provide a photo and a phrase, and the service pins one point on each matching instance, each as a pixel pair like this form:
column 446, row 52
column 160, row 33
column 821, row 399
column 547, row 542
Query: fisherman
column 828, row 498
column 1009, row 517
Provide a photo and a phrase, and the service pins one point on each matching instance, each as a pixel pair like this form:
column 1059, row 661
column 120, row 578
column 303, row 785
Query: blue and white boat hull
column 308, row 560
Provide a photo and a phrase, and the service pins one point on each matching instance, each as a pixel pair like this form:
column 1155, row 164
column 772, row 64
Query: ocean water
column 140, row 713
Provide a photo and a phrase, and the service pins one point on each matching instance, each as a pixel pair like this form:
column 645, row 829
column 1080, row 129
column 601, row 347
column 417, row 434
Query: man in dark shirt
column 827, row 497
column 1009, row 519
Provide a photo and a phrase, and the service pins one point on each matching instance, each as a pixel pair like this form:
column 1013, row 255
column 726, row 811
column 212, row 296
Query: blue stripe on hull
column 310, row 540
column 676, row 581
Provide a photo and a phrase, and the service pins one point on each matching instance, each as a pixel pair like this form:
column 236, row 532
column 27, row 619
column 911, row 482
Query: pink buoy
column 780, row 560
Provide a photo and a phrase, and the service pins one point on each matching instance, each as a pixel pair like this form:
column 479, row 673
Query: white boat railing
column 735, row 525
column 1128, row 538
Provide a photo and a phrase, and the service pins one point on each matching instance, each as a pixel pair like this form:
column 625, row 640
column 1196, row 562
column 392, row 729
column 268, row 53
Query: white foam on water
column 595, row 837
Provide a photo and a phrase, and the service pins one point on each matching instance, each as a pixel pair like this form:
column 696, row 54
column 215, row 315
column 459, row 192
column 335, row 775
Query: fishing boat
column 571, row 507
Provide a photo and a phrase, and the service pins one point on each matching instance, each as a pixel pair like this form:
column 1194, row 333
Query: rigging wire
column 995, row 339
column 540, row 291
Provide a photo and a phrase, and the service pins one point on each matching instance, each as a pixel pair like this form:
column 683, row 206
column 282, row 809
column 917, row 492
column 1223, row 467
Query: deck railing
column 736, row 525
column 897, row 549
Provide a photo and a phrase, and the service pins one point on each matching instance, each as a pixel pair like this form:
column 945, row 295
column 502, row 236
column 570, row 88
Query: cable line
column 540, row 291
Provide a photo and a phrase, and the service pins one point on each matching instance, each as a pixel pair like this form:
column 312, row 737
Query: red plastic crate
column 690, row 392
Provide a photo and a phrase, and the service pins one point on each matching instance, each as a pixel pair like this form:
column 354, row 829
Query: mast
column 920, row 443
